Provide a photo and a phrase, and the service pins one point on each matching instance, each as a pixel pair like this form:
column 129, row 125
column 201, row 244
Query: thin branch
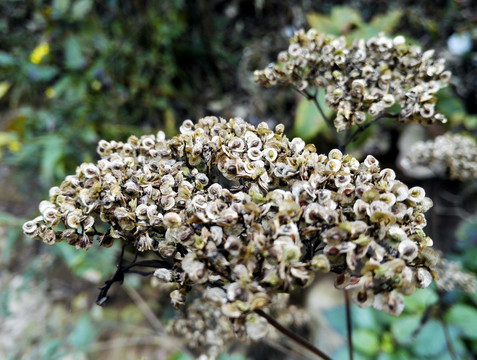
column 292, row 353
column 349, row 324
column 450, row 347
column 327, row 121
column 144, row 307
column 363, row 127
column 292, row 336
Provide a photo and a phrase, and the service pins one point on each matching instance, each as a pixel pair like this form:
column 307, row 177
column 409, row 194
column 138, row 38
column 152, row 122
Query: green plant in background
column 69, row 88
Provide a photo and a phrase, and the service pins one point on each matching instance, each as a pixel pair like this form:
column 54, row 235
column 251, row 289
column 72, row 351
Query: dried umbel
column 452, row 155
column 247, row 214
column 452, row 277
column 364, row 79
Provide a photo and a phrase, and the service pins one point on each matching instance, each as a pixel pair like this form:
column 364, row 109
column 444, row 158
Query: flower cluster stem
column 349, row 324
column 292, row 336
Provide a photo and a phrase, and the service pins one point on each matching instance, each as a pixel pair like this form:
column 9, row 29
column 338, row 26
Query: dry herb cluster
column 453, row 155
column 363, row 80
column 247, row 213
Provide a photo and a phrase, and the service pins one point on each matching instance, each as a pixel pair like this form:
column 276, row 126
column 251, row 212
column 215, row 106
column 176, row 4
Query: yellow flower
column 14, row 146
column 50, row 92
column 39, row 52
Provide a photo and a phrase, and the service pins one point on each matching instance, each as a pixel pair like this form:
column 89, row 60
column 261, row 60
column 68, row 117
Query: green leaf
column 4, row 86
column 50, row 161
column 337, row 319
column 308, row 120
column 6, row 59
column 420, row 300
column 365, row 319
column 386, row 22
column 403, row 328
column 40, row 72
column 341, row 20
column 84, row 333
column 366, row 341
column 60, row 6
column 380, row 23
column 465, row 318
column 179, row 356
column 431, row 340
column 470, row 122
column 81, row 8
column 73, row 55
column 451, row 106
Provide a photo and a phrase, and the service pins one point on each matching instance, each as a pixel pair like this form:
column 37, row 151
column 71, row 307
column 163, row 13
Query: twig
column 450, row 348
column 327, row 121
column 145, row 309
column 361, row 128
column 291, row 335
column 292, row 353
column 349, row 325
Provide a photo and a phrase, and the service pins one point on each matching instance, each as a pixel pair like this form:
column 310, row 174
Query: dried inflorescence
column 453, row 155
column 206, row 330
column 451, row 277
column 363, row 80
column 246, row 213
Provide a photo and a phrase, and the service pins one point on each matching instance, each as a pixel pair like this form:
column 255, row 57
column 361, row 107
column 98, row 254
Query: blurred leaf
column 342, row 354
column 82, row 263
column 60, row 6
column 50, row 352
column 464, row 317
column 81, row 8
column 403, row 327
column 430, row 341
column 83, row 334
column 386, row 22
column 365, row 318
column 41, row 72
column 308, row 120
column 341, row 20
column 73, row 55
column 4, row 86
column 450, row 105
column 400, row 354
column 380, row 23
column 6, row 59
column 337, row 319
column 470, row 122
column 53, row 150
column 420, row 300
column 180, row 356
column 366, row 341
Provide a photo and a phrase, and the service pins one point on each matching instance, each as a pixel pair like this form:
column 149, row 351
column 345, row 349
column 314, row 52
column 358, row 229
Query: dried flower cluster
column 451, row 155
column 364, row 79
column 247, row 213
column 452, row 277
column 206, row 329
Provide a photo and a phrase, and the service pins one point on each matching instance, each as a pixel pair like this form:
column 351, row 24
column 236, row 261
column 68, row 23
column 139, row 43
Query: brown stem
column 291, row 335
column 361, row 128
column 450, row 347
column 314, row 98
column 349, row 325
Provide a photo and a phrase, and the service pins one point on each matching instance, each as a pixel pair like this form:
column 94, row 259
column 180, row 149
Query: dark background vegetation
column 113, row 68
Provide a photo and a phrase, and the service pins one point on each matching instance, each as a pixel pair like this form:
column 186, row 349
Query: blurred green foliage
column 412, row 335
column 344, row 20
column 72, row 72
